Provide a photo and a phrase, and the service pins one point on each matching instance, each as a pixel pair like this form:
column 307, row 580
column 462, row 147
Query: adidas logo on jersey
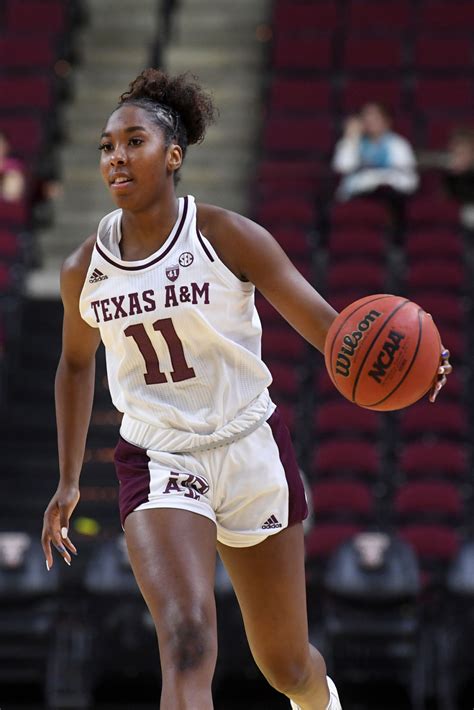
column 97, row 276
column 272, row 522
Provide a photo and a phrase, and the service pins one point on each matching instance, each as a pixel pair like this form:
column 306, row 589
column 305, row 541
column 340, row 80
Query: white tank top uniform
column 183, row 349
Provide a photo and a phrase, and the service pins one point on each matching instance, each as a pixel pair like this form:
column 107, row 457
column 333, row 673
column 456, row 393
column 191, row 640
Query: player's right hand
column 56, row 524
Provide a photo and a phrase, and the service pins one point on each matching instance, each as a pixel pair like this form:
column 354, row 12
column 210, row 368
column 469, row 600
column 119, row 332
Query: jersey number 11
column 153, row 375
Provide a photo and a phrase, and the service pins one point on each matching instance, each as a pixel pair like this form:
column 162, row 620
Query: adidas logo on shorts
column 97, row 276
column 272, row 522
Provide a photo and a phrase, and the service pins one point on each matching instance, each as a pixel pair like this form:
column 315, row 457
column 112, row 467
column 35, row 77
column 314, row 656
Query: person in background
column 12, row 179
column 459, row 173
column 374, row 161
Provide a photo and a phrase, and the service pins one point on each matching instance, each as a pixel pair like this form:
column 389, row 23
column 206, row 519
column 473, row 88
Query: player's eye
column 105, row 147
column 136, row 141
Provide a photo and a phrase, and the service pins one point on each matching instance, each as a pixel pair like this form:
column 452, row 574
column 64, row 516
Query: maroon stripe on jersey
column 201, row 241
column 297, row 506
column 158, row 258
column 131, row 466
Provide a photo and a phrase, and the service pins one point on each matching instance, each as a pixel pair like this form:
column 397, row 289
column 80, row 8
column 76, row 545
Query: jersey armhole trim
column 221, row 268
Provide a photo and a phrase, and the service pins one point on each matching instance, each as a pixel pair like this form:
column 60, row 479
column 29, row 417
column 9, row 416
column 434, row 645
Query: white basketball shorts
column 250, row 488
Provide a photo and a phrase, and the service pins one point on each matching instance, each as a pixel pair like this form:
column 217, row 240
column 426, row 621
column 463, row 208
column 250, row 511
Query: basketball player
column 203, row 457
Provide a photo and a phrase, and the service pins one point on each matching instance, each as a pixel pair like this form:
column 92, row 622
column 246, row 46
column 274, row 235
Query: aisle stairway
column 115, row 46
column 217, row 41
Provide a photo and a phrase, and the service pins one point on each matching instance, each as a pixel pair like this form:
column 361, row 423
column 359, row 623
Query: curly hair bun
column 181, row 93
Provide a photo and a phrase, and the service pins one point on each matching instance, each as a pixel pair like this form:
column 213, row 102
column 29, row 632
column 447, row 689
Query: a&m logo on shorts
column 188, row 483
column 172, row 272
column 186, row 258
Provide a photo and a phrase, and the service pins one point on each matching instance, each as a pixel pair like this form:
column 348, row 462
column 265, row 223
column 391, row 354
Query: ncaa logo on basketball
column 186, row 258
column 172, row 272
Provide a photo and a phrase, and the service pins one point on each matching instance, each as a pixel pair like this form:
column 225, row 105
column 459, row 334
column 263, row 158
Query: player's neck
column 146, row 231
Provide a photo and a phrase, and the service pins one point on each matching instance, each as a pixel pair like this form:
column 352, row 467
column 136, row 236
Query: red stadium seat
column 417, row 500
column 282, row 343
column 300, row 95
column 324, row 538
column 426, row 459
column 357, row 242
column 374, row 53
column 346, row 497
column 293, row 210
column 446, row 308
column 449, row 420
column 446, row 15
column 285, row 378
column 25, row 92
column 267, row 313
column 45, row 16
column 433, row 211
column 432, row 542
column 388, row 16
column 294, row 16
column 436, row 274
column 301, row 53
column 361, row 212
column 293, row 175
column 292, row 135
column 325, row 389
column 434, row 243
column 345, row 418
column 340, row 299
column 358, row 92
column 9, row 244
column 13, row 213
column 350, row 274
column 439, row 130
column 446, row 95
column 443, row 53
column 352, row 456
column 6, row 279
column 456, row 340
column 26, row 51
column 294, row 241
column 25, row 134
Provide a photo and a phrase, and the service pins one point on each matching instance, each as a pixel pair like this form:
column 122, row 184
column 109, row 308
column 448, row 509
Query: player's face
column 135, row 163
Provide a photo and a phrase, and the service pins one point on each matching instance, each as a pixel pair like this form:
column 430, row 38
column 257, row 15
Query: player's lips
column 119, row 181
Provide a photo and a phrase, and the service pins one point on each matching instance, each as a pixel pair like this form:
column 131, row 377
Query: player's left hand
column 445, row 368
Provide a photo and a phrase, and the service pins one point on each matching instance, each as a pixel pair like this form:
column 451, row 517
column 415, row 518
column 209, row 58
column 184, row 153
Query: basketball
column 382, row 352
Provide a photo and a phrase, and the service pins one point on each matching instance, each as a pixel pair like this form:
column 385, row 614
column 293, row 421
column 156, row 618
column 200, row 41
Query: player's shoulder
column 76, row 265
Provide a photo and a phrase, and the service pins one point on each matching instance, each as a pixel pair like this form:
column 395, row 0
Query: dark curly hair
column 178, row 105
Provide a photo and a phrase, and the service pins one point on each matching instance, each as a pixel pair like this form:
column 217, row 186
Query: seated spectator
column 459, row 174
column 12, row 180
column 375, row 161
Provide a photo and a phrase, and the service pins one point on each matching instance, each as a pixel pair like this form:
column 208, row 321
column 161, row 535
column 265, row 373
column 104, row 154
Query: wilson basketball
column 383, row 352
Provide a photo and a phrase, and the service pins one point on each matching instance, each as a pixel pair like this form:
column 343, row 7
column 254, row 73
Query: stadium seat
column 291, row 210
column 324, row 538
column 431, row 210
column 423, row 501
column 325, row 389
column 352, row 273
column 443, row 53
column 10, row 245
column 348, row 456
column 431, row 541
column 268, row 314
column 357, row 92
column 449, row 421
column 434, row 243
column 296, row 135
column 301, row 53
column 300, row 96
column 373, row 53
column 438, row 130
column 457, row 340
column 30, row 52
column 434, row 459
column 25, row 134
column 25, row 92
column 357, row 242
column 282, row 343
column 444, row 95
column 388, row 16
column 342, row 499
column 333, row 418
column 361, row 212
column 292, row 16
column 45, row 16
column 446, row 16
column 293, row 175
column 440, row 275
column 285, row 378
column 293, row 240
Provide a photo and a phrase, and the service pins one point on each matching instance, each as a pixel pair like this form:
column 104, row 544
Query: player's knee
column 288, row 676
column 190, row 637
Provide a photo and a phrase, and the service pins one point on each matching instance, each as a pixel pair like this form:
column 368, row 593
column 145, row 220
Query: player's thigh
column 269, row 581
column 173, row 553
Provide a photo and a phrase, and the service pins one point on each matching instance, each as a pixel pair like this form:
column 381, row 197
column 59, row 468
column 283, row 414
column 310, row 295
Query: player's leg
column 173, row 553
column 269, row 582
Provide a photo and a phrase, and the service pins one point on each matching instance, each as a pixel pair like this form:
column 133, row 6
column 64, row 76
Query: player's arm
column 74, row 391
column 252, row 254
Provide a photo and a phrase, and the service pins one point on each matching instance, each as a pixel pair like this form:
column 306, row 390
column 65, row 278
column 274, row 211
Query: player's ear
column 175, row 157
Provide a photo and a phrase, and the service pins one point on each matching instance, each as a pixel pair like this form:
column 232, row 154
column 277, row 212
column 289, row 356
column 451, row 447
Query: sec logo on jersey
column 186, row 258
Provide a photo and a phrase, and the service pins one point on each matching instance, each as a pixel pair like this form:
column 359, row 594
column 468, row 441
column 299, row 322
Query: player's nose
column 118, row 156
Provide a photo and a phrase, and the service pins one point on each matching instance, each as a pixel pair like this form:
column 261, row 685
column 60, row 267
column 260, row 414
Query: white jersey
column 182, row 339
